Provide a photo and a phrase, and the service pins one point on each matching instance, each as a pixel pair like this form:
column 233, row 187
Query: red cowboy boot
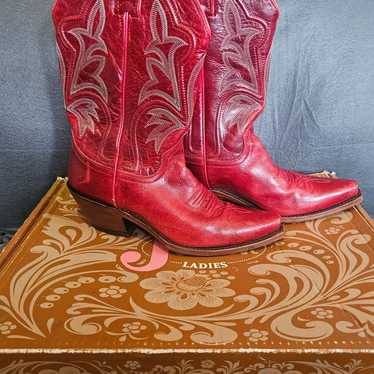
column 222, row 149
column 129, row 72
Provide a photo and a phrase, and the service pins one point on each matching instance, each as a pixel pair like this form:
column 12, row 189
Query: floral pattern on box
column 65, row 281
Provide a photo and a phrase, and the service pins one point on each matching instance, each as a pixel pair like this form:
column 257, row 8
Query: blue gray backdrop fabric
column 319, row 114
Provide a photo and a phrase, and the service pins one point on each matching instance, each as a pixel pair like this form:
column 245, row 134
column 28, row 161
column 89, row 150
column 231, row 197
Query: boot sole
column 356, row 200
column 122, row 222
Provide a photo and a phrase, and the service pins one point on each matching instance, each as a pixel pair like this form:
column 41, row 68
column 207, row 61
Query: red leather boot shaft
column 123, row 67
column 90, row 36
column 235, row 75
column 166, row 44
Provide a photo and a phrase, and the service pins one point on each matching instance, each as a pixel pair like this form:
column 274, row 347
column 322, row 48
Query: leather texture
column 221, row 148
column 130, row 76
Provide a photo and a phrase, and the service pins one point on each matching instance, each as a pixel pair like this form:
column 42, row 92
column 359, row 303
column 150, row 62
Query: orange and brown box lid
column 77, row 300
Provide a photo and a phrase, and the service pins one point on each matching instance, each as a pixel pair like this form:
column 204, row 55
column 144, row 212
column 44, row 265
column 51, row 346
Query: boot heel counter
column 89, row 178
column 102, row 217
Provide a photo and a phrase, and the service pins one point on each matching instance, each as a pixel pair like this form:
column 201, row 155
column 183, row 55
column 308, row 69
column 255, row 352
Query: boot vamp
column 259, row 180
column 180, row 208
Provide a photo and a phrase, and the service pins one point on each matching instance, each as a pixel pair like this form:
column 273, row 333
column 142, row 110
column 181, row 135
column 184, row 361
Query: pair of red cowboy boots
column 162, row 96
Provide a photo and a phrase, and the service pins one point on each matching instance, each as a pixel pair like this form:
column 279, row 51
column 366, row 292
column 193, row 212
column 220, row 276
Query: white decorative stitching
column 166, row 121
column 87, row 56
column 166, row 64
column 85, row 109
column 237, row 52
column 191, row 86
column 240, row 107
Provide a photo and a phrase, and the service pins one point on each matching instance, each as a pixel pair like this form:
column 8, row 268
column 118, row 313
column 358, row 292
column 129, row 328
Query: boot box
column 75, row 300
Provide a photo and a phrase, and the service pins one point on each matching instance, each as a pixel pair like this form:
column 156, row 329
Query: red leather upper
column 221, row 148
column 178, row 205
column 130, row 73
column 261, row 181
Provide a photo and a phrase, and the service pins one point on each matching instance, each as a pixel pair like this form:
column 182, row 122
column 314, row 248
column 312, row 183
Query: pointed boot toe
column 321, row 197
